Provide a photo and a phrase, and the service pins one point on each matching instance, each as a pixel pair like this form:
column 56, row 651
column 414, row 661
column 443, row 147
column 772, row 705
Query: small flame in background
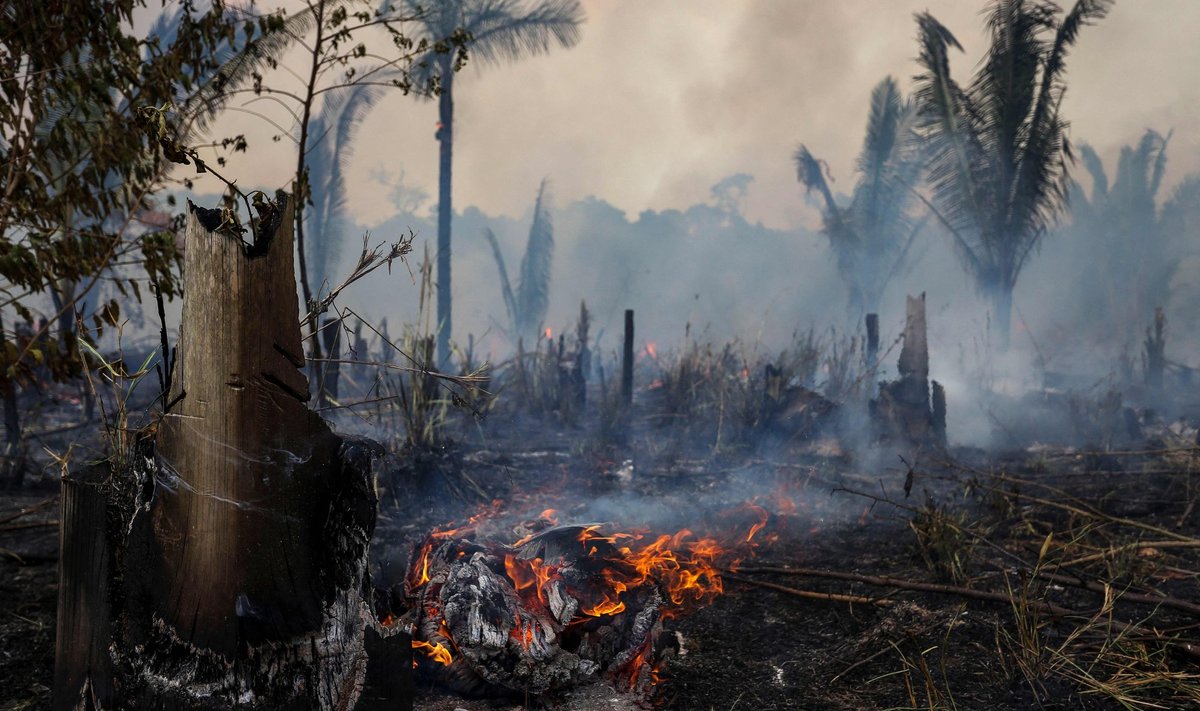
column 651, row 350
column 549, row 333
column 685, row 566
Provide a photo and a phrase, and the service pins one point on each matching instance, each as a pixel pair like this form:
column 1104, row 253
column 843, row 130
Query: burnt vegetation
column 228, row 483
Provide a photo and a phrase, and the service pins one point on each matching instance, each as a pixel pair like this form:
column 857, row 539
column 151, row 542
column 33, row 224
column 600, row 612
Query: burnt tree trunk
column 239, row 529
column 627, row 362
column 905, row 410
column 11, row 467
column 872, row 339
column 83, row 669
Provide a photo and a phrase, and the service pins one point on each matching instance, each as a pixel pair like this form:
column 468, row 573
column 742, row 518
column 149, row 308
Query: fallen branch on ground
column 811, row 594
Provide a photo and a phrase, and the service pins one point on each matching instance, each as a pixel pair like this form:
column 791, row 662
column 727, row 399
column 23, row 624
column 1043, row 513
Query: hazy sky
column 661, row 99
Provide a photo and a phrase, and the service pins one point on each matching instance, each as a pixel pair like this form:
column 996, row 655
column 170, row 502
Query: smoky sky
column 662, row 99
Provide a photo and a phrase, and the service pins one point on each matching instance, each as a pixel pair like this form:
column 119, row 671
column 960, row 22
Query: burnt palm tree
column 998, row 149
column 497, row 31
column 527, row 305
column 871, row 236
column 1124, row 222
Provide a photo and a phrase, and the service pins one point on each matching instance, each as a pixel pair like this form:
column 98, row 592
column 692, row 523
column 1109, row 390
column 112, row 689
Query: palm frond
column 333, row 132
column 500, row 31
column 883, row 123
column 255, row 56
column 533, row 293
column 956, row 163
column 510, row 302
column 1042, row 182
column 1095, row 168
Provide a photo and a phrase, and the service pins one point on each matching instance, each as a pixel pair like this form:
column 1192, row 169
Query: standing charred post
column 872, row 321
column 238, row 530
column 583, row 359
column 82, row 667
column 627, row 362
column 1156, row 350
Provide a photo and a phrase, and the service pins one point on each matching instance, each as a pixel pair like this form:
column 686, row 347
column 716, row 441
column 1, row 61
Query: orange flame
column 436, row 652
column 651, row 350
column 527, row 574
column 763, row 517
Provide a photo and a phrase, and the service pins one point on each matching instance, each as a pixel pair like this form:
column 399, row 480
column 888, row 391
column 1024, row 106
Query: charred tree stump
column 627, row 362
column 82, row 668
column 238, row 530
column 904, row 409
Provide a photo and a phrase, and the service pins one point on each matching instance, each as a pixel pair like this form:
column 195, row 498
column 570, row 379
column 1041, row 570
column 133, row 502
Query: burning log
column 904, row 409
column 562, row 605
column 237, row 532
column 555, row 609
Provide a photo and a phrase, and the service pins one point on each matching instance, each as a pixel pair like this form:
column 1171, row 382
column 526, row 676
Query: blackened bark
column 82, row 666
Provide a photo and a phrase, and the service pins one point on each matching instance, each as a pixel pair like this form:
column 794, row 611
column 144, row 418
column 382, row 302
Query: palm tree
column 998, row 150
column 497, row 31
column 335, row 128
column 527, row 306
column 1124, row 223
column 872, row 235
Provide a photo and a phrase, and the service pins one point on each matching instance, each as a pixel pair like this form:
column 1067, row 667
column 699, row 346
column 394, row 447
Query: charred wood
column 235, row 534
column 905, row 410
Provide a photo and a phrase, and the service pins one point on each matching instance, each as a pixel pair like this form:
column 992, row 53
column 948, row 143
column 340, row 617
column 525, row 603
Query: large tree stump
column 904, row 410
column 242, row 525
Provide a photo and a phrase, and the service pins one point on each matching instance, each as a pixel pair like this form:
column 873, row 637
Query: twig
column 810, row 594
column 1136, row 545
column 30, row 509
column 26, row 526
column 1155, row 600
column 1041, row 606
